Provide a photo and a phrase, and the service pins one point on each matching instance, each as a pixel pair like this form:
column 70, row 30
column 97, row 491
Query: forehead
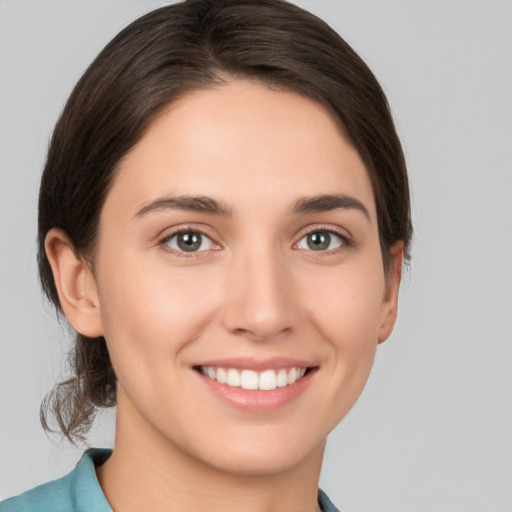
column 242, row 142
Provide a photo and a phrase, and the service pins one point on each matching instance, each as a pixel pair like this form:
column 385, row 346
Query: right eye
column 189, row 242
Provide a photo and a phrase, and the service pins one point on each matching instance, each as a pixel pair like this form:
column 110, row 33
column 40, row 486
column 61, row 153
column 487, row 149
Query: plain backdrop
column 433, row 429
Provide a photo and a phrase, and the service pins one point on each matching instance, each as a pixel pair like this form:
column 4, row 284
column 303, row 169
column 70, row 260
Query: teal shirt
column 79, row 491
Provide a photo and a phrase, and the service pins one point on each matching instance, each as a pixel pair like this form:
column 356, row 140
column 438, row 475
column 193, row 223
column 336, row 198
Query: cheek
column 348, row 316
column 347, row 305
column 149, row 313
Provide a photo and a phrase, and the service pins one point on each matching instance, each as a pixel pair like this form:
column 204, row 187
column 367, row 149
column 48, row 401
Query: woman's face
column 238, row 249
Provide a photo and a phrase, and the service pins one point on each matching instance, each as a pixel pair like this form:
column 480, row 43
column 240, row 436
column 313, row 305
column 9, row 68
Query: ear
column 75, row 283
column 389, row 307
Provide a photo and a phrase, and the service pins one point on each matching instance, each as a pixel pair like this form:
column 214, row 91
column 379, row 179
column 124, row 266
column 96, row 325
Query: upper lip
column 250, row 363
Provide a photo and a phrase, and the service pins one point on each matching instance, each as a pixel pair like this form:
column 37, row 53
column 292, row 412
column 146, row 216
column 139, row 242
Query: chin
column 268, row 455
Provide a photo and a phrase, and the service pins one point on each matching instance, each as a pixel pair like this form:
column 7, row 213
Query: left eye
column 189, row 241
column 320, row 241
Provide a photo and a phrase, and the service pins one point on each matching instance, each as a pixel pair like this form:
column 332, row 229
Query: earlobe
column 389, row 309
column 75, row 285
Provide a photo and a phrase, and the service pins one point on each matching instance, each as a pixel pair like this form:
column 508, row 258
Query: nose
column 260, row 297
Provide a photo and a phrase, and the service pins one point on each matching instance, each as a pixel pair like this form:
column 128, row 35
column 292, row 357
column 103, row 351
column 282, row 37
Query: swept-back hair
column 194, row 45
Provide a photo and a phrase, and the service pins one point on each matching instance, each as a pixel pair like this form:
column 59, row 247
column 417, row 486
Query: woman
column 223, row 218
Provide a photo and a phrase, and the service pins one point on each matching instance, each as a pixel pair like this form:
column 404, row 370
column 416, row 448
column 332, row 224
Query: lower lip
column 257, row 400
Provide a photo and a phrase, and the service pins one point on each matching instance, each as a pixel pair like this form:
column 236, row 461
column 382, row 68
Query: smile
column 266, row 380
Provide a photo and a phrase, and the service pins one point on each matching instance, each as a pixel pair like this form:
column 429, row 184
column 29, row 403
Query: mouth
column 252, row 380
column 257, row 385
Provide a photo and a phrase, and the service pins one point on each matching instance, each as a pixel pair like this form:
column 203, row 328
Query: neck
column 148, row 472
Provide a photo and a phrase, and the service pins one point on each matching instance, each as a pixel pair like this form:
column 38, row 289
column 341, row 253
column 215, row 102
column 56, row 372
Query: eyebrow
column 329, row 202
column 208, row 205
column 201, row 204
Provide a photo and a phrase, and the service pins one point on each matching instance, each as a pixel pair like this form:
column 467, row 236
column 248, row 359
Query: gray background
column 433, row 429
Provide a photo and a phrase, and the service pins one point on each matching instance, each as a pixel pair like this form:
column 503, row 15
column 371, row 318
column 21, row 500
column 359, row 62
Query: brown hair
column 161, row 56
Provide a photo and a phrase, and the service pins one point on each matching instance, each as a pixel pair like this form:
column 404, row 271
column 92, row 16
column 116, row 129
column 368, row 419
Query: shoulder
column 51, row 496
column 326, row 505
column 78, row 491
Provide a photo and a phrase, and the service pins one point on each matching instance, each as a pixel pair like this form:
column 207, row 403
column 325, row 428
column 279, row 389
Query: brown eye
column 321, row 240
column 189, row 241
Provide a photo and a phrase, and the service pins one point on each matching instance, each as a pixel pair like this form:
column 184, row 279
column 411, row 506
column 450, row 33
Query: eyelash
column 164, row 242
column 346, row 241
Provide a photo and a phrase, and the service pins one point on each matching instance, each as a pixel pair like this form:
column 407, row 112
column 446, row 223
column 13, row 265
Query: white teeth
column 252, row 380
column 249, row 379
column 292, row 375
column 268, row 380
column 233, row 378
column 222, row 376
column 282, row 378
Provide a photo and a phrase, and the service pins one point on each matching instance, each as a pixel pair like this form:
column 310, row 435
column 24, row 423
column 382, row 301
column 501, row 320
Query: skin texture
column 256, row 291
